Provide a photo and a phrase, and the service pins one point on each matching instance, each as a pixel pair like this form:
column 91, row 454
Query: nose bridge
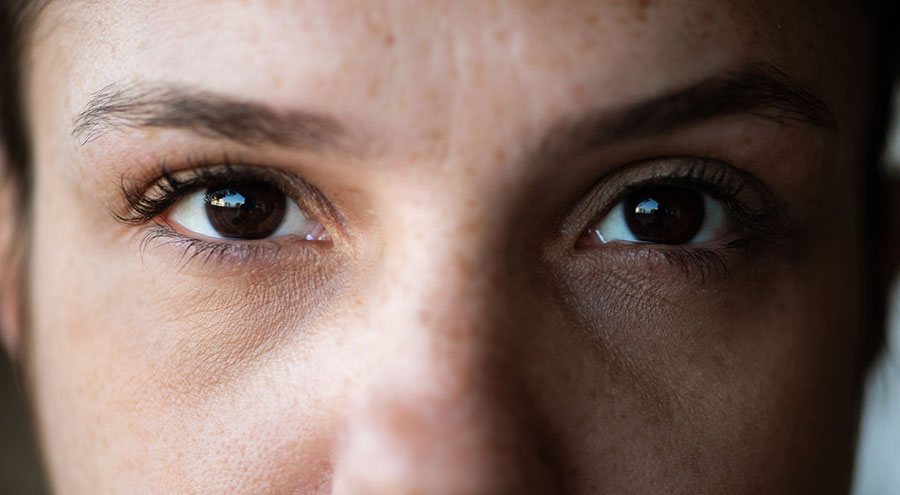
column 441, row 271
column 439, row 409
column 444, row 304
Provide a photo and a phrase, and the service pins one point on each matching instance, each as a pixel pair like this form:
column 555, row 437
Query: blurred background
column 878, row 460
column 19, row 469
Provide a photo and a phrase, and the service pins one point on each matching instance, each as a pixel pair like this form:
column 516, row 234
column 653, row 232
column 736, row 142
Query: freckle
column 500, row 156
column 579, row 91
column 643, row 5
column 425, row 316
column 501, row 36
column 374, row 88
column 477, row 71
column 641, row 8
column 389, row 39
column 587, row 44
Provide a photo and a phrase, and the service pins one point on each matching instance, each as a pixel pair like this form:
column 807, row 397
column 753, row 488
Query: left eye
column 663, row 215
column 247, row 210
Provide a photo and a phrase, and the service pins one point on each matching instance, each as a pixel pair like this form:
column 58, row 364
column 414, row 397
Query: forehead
column 409, row 66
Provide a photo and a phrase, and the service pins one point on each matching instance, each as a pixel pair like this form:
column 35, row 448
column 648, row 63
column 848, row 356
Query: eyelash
column 726, row 187
column 145, row 205
column 193, row 249
column 723, row 183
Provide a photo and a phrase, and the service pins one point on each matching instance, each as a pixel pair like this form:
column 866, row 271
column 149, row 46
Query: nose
column 441, row 408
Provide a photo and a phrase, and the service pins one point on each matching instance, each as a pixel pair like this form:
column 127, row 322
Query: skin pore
column 458, row 328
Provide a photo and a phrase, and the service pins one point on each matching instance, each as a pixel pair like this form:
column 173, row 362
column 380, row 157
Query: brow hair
column 759, row 89
column 202, row 112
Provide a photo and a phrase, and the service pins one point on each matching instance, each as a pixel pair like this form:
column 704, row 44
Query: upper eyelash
column 725, row 186
column 142, row 207
column 145, row 204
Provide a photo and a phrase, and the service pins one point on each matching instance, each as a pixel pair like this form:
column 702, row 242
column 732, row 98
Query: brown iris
column 664, row 215
column 245, row 210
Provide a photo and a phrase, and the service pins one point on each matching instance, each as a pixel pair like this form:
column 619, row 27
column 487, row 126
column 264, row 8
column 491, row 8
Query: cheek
column 145, row 374
column 734, row 383
column 128, row 373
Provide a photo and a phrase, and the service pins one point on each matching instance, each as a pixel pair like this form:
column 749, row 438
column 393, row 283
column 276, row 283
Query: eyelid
column 745, row 196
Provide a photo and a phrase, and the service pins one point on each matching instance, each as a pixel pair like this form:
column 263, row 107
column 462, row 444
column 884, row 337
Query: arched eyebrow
column 758, row 89
column 204, row 113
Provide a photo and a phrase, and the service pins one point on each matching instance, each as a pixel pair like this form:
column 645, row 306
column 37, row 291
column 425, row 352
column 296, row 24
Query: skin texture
column 453, row 337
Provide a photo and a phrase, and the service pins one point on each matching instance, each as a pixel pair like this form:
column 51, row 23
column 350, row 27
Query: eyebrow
column 758, row 89
column 204, row 113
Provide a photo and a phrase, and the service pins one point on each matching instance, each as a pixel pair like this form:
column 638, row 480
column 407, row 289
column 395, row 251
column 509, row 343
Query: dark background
column 19, row 467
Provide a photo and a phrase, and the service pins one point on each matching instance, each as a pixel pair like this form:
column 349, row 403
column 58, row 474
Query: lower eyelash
column 708, row 262
column 160, row 235
column 702, row 262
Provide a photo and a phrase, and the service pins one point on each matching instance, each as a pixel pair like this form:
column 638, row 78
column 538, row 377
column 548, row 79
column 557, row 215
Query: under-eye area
column 227, row 211
column 701, row 216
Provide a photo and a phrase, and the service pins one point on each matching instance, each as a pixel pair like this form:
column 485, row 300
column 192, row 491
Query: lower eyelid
column 666, row 264
column 173, row 246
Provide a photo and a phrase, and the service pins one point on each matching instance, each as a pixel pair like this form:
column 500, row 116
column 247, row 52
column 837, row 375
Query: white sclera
column 716, row 223
column 190, row 213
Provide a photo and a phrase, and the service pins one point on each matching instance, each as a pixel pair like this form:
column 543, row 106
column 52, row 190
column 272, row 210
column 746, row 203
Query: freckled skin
column 451, row 340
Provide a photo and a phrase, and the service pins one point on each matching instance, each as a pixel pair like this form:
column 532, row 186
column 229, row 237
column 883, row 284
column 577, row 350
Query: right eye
column 244, row 210
column 663, row 215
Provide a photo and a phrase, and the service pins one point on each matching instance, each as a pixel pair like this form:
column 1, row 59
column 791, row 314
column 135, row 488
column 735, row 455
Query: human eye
column 244, row 210
column 228, row 210
column 670, row 215
column 683, row 209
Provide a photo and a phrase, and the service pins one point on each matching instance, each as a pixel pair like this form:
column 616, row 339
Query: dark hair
column 18, row 16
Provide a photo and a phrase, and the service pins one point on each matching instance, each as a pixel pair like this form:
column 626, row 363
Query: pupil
column 245, row 210
column 665, row 215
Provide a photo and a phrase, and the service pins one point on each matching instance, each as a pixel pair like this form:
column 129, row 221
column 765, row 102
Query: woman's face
column 446, row 247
